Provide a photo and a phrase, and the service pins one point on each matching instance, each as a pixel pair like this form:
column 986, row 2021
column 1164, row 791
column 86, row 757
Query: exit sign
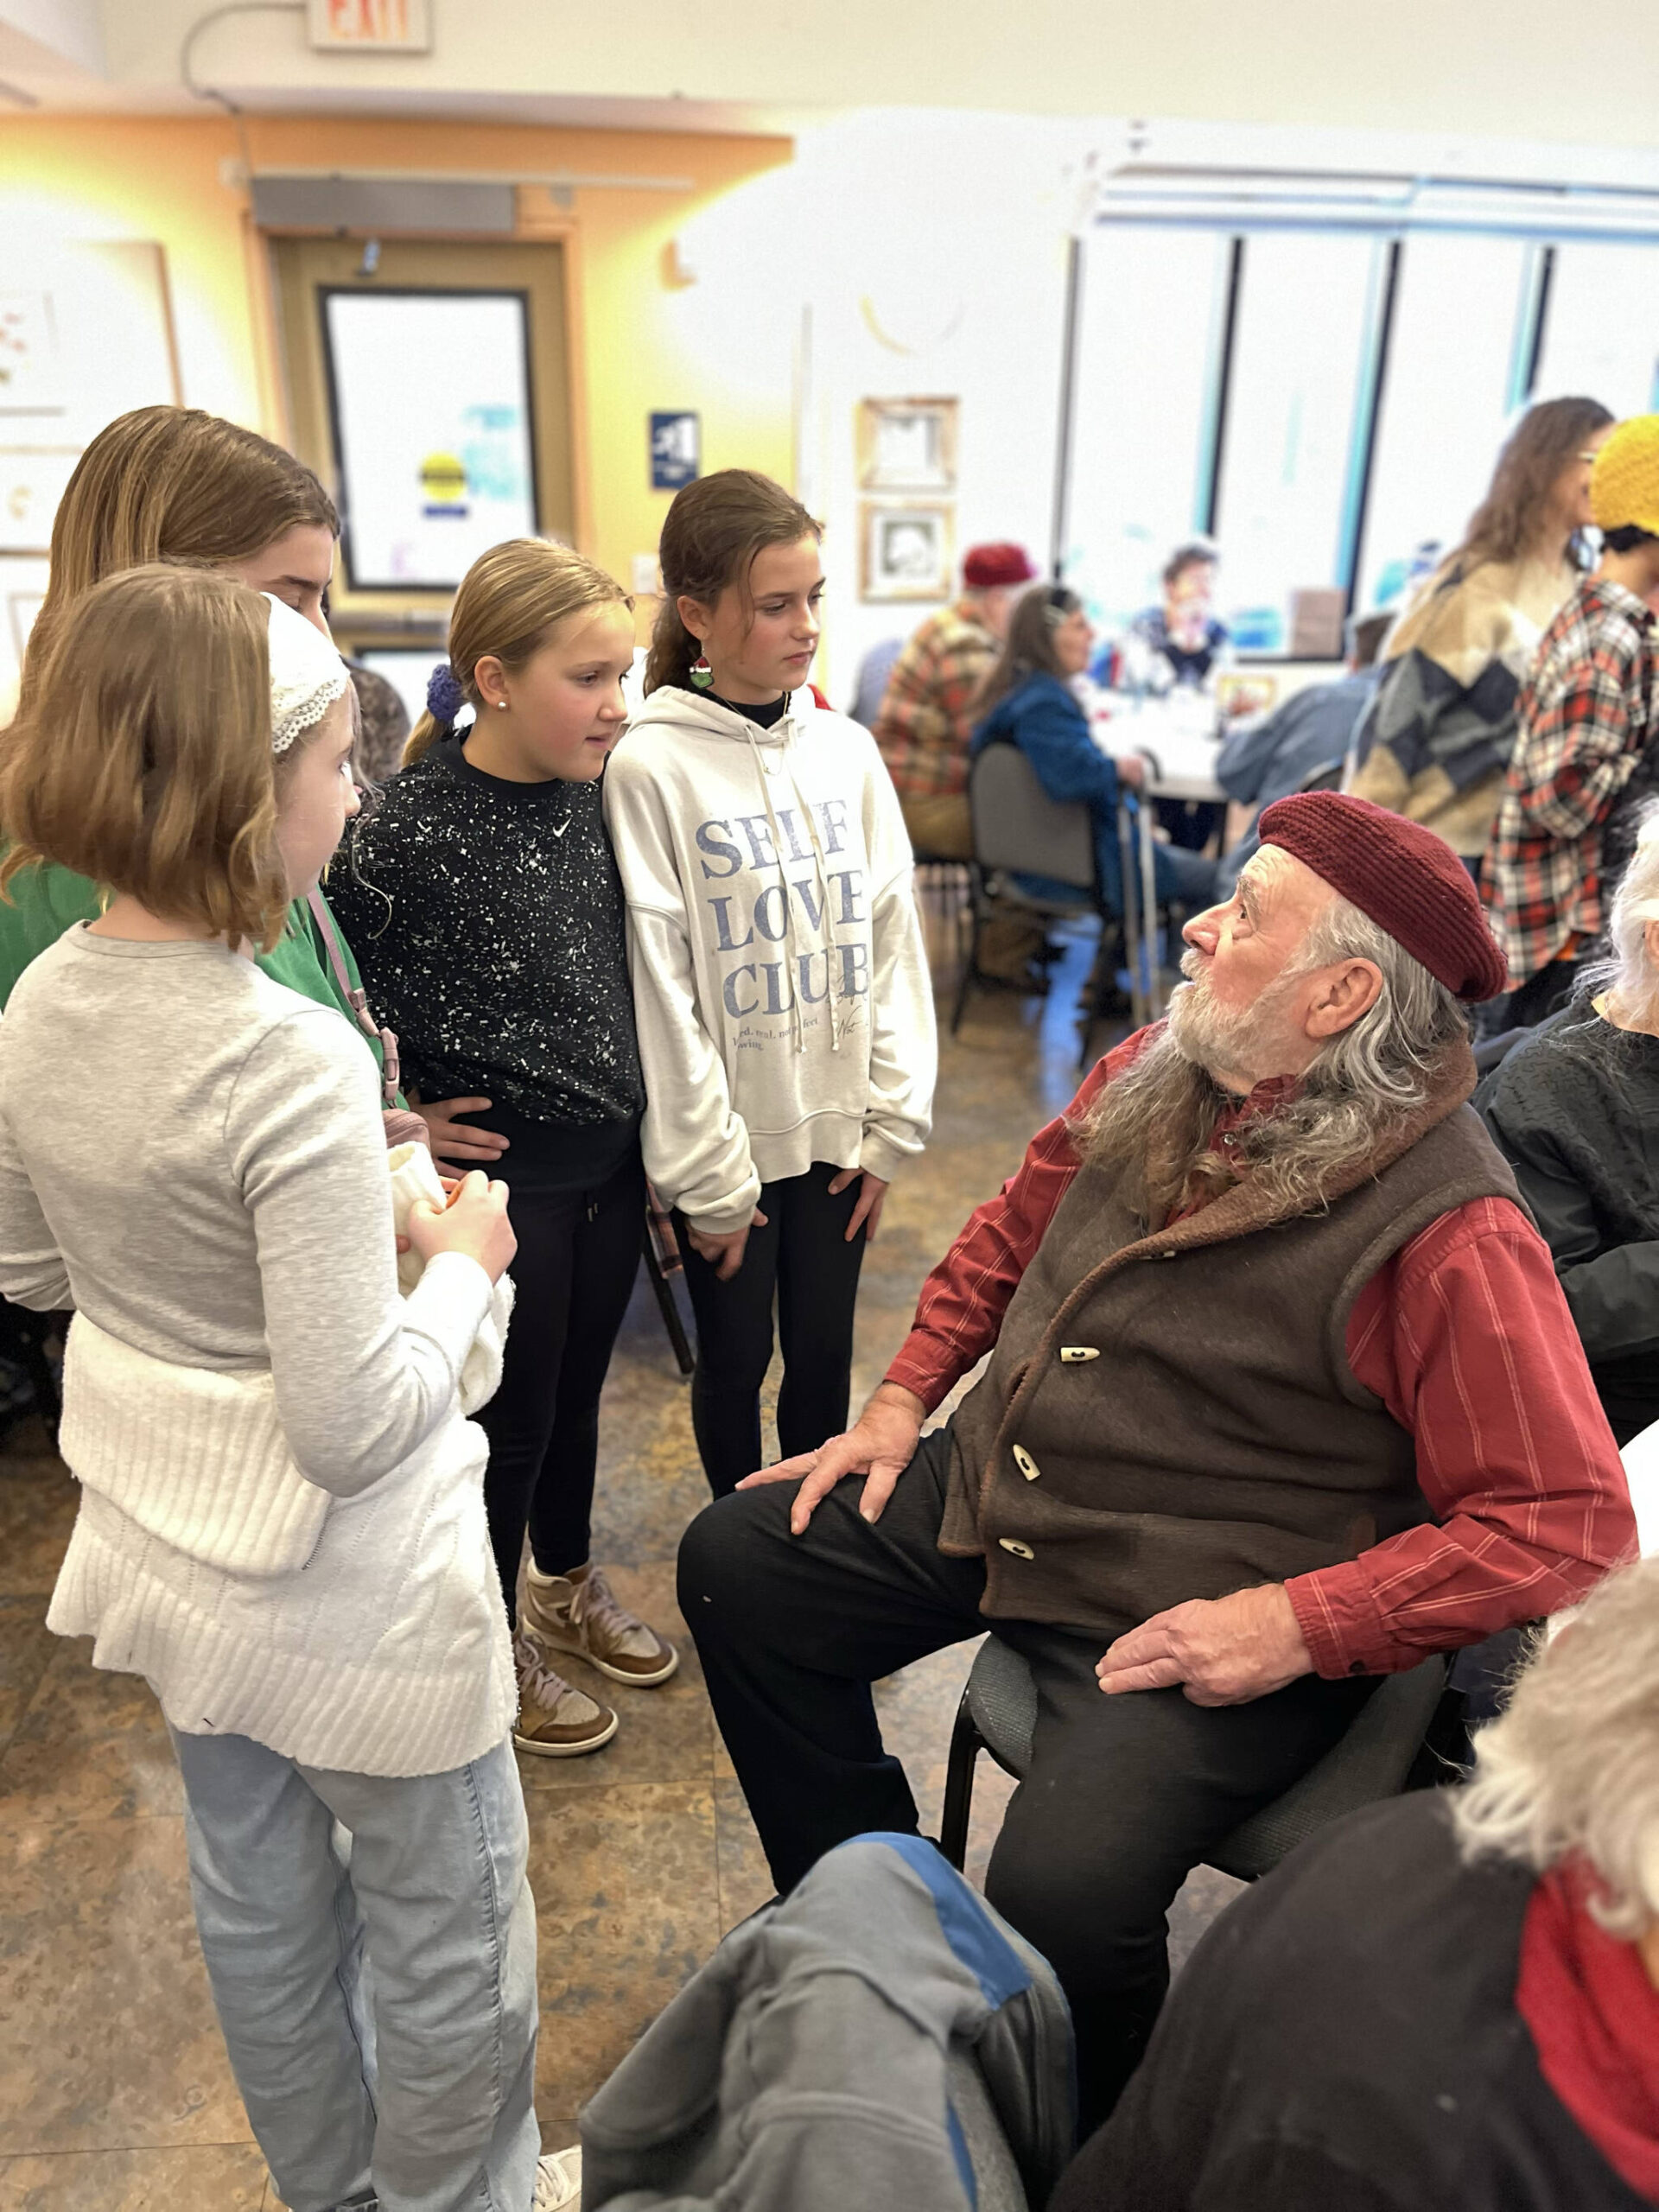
column 372, row 26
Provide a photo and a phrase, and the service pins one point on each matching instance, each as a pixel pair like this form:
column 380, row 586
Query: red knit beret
column 1409, row 882
column 986, row 566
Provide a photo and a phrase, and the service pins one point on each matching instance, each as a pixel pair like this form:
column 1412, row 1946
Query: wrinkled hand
column 1222, row 1651
column 867, row 1212
column 879, row 1447
column 723, row 1253
column 450, row 1137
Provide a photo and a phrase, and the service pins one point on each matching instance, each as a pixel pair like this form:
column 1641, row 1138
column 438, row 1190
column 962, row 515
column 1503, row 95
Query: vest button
column 1074, row 1355
column 1027, row 1466
column 1012, row 1544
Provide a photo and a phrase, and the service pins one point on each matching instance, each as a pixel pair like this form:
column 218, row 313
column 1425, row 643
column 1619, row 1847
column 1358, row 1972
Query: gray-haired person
column 1574, row 1110
column 1447, row 2003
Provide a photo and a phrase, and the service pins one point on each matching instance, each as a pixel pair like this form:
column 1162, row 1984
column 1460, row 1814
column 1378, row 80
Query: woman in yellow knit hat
column 1587, row 752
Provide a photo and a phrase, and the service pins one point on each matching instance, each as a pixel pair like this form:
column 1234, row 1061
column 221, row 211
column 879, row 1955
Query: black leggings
column 802, row 1255
column 578, row 1254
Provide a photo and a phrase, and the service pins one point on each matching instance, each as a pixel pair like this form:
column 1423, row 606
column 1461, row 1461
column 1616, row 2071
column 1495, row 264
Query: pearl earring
column 502, row 704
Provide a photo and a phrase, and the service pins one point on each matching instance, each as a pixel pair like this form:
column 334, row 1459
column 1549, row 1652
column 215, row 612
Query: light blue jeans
column 379, row 2006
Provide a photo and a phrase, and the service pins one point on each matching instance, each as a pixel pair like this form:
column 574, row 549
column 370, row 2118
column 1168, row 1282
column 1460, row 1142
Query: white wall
column 933, row 249
column 1521, row 67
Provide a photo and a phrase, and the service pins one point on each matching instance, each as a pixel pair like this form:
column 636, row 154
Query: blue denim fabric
column 378, row 2001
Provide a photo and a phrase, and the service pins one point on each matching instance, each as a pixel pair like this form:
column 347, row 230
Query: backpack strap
column 357, row 998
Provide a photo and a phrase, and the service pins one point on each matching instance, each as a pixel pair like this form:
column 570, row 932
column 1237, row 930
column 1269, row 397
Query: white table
column 1641, row 1458
column 1178, row 735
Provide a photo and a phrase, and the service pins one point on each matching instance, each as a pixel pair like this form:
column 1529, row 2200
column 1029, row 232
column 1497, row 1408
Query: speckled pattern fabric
column 487, row 919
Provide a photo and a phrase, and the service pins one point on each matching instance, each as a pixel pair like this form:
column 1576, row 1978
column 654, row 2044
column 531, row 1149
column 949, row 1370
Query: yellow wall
column 638, row 342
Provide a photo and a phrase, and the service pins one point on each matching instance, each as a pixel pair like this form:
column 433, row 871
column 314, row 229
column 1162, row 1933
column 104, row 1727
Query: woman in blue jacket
column 1028, row 701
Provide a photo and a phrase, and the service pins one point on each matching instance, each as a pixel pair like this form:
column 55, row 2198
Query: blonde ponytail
column 510, row 602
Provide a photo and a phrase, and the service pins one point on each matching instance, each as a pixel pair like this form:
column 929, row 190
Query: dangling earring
column 702, row 675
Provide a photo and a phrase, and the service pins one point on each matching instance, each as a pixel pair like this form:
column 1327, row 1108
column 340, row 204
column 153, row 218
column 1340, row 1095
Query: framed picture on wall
column 907, row 445
column 32, row 377
column 31, row 483
column 430, row 397
column 905, row 551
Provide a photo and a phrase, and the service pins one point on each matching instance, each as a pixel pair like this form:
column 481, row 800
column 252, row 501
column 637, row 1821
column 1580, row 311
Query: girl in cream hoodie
column 781, row 987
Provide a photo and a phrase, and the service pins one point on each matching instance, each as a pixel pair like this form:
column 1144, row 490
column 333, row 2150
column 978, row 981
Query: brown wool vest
column 1173, row 1415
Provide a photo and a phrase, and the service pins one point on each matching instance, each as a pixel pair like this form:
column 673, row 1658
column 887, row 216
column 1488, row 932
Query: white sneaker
column 558, row 2182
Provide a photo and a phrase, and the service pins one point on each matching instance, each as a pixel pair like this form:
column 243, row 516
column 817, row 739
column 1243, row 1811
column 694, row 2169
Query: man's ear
column 1345, row 993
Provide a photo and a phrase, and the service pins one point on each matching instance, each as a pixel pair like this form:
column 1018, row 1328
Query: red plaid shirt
column 1586, row 714
column 1465, row 1336
column 927, row 716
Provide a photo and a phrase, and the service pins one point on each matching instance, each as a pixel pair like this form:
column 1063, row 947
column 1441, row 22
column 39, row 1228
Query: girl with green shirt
column 174, row 484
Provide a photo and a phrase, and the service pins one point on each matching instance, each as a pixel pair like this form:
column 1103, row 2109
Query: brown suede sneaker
column 556, row 1721
column 579, row 1614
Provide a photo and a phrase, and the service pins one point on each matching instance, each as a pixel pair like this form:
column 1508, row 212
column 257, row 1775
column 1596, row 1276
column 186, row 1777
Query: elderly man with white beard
column 1283, row 1396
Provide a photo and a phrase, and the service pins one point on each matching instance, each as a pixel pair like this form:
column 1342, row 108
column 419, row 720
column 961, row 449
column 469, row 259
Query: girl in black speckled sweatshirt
column 485, row 903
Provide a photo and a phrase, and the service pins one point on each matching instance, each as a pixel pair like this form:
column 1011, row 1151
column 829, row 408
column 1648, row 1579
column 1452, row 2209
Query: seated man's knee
column 1059, row 1885
column 722, row 1567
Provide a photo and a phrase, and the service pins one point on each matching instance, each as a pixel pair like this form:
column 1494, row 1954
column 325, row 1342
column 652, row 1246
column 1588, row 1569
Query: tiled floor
column 115, row 2095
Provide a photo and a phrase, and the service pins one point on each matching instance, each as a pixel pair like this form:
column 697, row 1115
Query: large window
column 1448, row 390
column 1284, row 504
column 1325, row 395
column 1152, row 312
column 1601, row 327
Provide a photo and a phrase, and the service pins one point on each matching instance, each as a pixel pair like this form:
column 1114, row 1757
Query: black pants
column 578, row 1254
column 1125, row 1795
column 802, row 1256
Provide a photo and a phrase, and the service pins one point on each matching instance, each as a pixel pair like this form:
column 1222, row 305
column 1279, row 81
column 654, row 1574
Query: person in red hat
column 1283, row 1395
column 925, row 725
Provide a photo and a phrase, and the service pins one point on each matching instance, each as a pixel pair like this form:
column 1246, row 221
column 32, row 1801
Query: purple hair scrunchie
column 444, row 696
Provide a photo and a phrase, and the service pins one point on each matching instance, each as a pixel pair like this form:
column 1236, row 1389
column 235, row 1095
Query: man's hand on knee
column 879, row 1447
column 1222, row 1651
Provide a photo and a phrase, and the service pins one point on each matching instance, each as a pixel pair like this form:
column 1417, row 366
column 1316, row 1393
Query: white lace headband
column 307, row 675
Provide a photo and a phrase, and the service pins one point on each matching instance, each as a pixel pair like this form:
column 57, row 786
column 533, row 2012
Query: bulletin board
column 430, row 399
column 86, row 335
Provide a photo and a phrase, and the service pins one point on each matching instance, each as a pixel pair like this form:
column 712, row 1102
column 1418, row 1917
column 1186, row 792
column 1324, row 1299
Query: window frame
column 1392, row 209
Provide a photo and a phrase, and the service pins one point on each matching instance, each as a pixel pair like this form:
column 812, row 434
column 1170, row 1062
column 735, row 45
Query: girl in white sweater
column 282, row 1519
column 781, row 989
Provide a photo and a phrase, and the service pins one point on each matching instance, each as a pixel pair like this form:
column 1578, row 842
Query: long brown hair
column 143, row 760
column 1510, row 521
column 510, row 602
column 1028, row 649
column 710, row 537
column 169, row 484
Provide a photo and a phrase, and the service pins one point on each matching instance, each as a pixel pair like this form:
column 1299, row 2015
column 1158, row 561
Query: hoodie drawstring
column 791, row 937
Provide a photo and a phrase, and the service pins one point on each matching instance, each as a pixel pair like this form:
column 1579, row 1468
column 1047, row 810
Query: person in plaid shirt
column 1587, row 751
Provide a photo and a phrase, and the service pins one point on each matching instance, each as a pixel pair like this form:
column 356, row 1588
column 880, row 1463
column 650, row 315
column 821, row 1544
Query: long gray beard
column 1153, row 1126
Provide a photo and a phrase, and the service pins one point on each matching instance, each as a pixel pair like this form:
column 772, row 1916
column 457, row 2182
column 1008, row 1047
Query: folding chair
column 1019, row 830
